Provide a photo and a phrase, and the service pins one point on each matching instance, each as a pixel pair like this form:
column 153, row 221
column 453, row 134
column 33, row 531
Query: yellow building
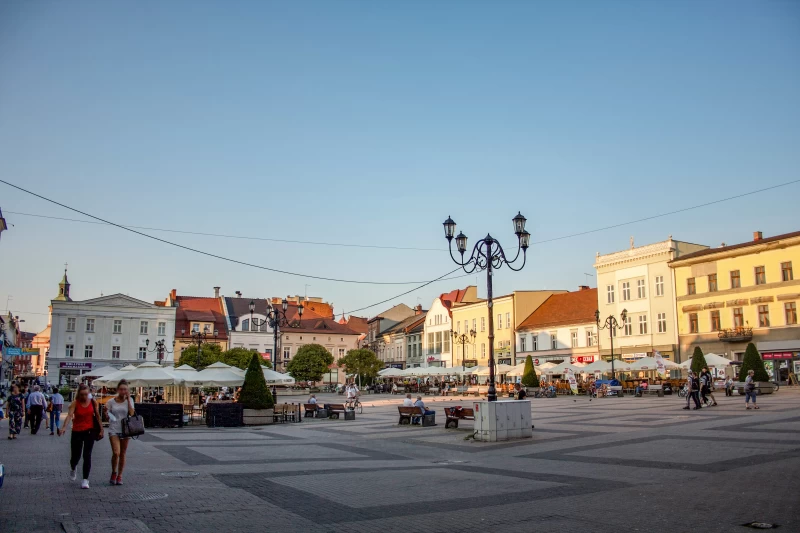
column 508, row 312
column 732, row 295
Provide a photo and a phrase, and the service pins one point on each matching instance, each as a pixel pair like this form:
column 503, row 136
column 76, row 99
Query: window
column 761, row 276
column 627, row 328
column 196, row 328
column 610, row 294
column 246, row 324
column 574, row 336
column 626, row 291
column 693, row 327
column 143, row 327
column 736, row 280
column 738, row 317
column 466, row 326
column 287, row 352
column 115, row 352
column 786, row 271
column 662, row 322
column 642, row 324
column 70, row 324
column 483, row 350
column 430, row 343
column 89, row 325
column 554, row 340
column 341, row 352
column 522, row 343
column 763, row 316
column 483, row 323
column 691, row 287
column 473, row 324
column 791, row 313
column 659, row 285
column 640, row 292
column 117, row 326
column 458, row 328
column 712, row 283
column 438, row 342
column 142, row 353
column 162, row 328
column 589, row 337
column 70, row 350
column 534, row 342
column 715, row 321
column 499, row 321
column 446, row 336
column 88, row 350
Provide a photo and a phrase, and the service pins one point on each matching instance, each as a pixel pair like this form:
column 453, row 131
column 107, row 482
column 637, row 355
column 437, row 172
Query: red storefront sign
column 582, row 359
column 776, row 355
column 267, row 356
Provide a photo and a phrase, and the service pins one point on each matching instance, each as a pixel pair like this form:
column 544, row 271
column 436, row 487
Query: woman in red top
column 82, row 414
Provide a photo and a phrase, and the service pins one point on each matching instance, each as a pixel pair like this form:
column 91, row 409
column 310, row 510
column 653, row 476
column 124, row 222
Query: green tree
column 255, row 393
column 362, row 362
column 752, row 361
column 310, row 363
column 529, row 377
column 209, row 354
column 698, row 360
column 240, row 358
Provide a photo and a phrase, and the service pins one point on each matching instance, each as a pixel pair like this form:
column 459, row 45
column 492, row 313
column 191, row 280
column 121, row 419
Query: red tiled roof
column 199, row 309
column 710, row 251
column 564, row 309
column 358, row 323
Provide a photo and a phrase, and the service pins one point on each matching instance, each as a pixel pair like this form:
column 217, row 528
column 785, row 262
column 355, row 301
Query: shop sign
column 777, row 355
column 396, row 365
column 75, row 365
column 582, row 359
column 13, row 352
column 267, row 356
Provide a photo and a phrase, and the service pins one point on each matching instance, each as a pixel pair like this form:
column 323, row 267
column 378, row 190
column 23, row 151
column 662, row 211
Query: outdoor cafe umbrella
column 562, row 368
column 471, row 370
column 649, row 363
column 276, row 378
column 603, row 366
column 114, row 378
column 519, row 370
column 152, row 375
column 712, row 359
column 501, row 368
column 100, row 372
column 219, row 375
column 391, row 373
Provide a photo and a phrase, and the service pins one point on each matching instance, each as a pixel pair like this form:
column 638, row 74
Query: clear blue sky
column 371, row 122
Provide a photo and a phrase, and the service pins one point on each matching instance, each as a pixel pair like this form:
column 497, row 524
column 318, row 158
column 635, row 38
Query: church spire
column 63, row 288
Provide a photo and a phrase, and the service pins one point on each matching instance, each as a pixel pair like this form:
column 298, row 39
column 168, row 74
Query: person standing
column 25, row 393
column 82, row 414
column 36, row 406
column 705, row 384
column 15, row 405
column 693, row 387
column 118, row 407
column 55, row 414
column 750, row 389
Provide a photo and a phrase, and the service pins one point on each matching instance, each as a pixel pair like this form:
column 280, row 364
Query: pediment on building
column 118, row 300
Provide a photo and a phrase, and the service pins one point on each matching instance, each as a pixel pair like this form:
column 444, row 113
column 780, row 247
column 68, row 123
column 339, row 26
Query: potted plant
column 529, row 378
column 255, row 397
column 752, row 361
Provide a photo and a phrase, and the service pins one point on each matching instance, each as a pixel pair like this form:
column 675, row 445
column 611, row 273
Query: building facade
column 244, row 331
column 399, row 345
column 640, row 281
column 438, row 326
column 563, row 328
column 376, row 339
column 732, row 295
column 197, row 314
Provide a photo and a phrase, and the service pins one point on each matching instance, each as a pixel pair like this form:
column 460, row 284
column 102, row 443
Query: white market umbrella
column 561, row 368
column 471, row 371
column 152, row 375
column 649, row 363
column 712, row 359
column 498, row 369
column 519, row 370
column 113, row 378
column 276, row 378
column 219, row 375
column 101, row 372
column 546, row 365
column 391, row 373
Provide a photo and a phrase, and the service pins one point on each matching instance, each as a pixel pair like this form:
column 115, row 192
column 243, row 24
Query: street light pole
column 275, row 318
column 488, row 255
column 160, row 348
column 611, row 324
column 463, row 339
column 199, row 337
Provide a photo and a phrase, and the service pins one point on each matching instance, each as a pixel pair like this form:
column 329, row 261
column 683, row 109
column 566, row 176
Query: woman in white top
column 118, row 407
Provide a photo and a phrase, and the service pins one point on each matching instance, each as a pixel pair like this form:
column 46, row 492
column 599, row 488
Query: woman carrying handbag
column 84, row 415
column 118, row 408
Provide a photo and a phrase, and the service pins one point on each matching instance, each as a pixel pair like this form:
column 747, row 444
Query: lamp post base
column 492, row 394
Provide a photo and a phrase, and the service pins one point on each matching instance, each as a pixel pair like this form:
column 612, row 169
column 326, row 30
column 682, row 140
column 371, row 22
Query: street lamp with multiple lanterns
column 463, row 339
column 488, row 255
column 160, row 348
column 612, row 325
column 276, row 318
column 199, row 337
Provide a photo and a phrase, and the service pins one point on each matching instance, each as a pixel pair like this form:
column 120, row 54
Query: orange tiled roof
column 199, row 309
column 563, row 309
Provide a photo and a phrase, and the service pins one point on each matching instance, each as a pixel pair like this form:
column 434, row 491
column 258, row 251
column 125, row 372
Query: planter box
column 258, row 417
column 762, row 387
column 223, row 414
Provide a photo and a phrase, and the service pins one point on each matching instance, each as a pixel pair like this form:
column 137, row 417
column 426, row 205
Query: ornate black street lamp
column 488, row 255
column 463, row 339
column 199, row 337
column 160, row 348
column 276, row 318
column 612, row 325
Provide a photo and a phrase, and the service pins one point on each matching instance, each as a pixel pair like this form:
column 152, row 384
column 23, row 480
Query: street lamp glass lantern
column 624, row 314
column 461, row 243
column 147, row 342
column 597, row 316
column 216, row 332
column 524, row 240
column 252, row 306
column 285, row 304
column 300, row 309
column 519, row 223
column 449, row 228
column 183, row 332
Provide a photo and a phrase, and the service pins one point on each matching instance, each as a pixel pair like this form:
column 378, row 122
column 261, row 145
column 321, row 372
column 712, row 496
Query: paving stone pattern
column 629, row 464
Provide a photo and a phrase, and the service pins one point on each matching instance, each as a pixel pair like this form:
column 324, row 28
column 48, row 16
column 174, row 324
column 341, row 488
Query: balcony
column 736, row 335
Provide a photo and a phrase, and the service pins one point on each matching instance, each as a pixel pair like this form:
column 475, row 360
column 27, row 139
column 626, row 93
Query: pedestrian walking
column 750, row 390
column 705, row 387
column 57, row 401
column 693, row 387
column 82, row 415
column 15, row 406
column 118, row 408
column 36, row 403
column 25, row 393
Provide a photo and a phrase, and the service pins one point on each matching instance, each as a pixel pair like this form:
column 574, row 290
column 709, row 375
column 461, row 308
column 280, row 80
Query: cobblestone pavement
column 613, row 464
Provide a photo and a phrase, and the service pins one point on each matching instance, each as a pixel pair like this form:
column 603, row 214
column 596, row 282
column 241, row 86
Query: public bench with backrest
column 452, row 415
column 335, row 409
column 406, row 413
column 311, row 409
column 655, row 389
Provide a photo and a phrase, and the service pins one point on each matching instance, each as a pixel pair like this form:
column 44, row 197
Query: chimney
column 216, row 292
column 418, row 309
column 173, row 294
column 757, row 236
column 238, row 294
column 583, row 287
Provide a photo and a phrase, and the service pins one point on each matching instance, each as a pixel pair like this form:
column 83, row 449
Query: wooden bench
column 655, row 389
column 311, row 409
column 617, row 389
column 406, row 413
column 452, row 416
column 472, row 390
column 335, row 409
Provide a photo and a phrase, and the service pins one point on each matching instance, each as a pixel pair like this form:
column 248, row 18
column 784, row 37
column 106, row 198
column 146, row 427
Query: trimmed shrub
column 752, row 361
column 698, row 360
column 255, row 393
column 529, row 377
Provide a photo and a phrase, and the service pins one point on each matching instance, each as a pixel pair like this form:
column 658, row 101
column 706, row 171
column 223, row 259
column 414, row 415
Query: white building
column 563, row 328
column 107, row 331
column 437, row 338
column 640, row 281
column 243, row 331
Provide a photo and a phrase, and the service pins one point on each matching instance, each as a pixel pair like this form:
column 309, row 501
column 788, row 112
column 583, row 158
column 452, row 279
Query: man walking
column 55, row 415
column 25, row 394
column 36, row 405
column 693, row 387
column 750, row 390
column 705, row 387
